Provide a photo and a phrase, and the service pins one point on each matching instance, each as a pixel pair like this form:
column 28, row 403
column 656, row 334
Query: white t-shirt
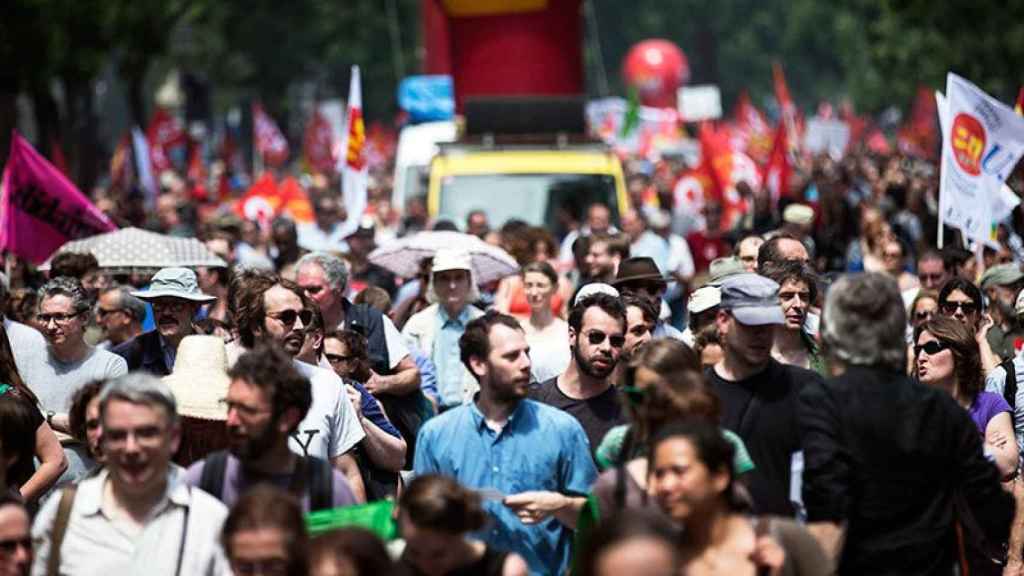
column 55, row 382
column 330, row 428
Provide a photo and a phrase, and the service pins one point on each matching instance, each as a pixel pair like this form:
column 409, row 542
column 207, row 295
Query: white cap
column 704, row 298
column 452, row 259
column 595, row 288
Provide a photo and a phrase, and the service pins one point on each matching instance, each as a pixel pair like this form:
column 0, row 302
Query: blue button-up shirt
column 539, row 448
column 446, row 355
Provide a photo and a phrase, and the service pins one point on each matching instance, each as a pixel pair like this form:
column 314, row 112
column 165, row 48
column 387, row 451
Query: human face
column 258, row 551
column 477, row 224
column 432, row 552
column 94, row 280
column 282, row 305
column 795, row 298
column 62, row 325
column 638, row 330
column 923, row 310
column 93, row 427
column 960, row 306
column 539, row 290
column 932, row 273
column 506, row 370
column 710, row 355
column 115, row 321
column 748, row 252
column 639, row 556
column 174, row 317
column 892, row 257
column 793, row 250
column 597, row 346
column 935, row 367
column 452, row 288
column 599, row 260
column 651, row 289
column 599, row 218
column 251, row 425
column 680, row 482
column 15, row 541
column 314, row 281
column 337, row 355
column 138, row 442
column 749, row 345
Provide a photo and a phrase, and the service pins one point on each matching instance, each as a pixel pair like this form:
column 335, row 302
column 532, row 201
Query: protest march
column 447, row 299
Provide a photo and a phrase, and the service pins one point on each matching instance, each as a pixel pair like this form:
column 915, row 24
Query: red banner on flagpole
column 270, row 141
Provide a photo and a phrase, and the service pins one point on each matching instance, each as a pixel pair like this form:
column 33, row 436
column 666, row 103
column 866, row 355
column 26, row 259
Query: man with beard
column 1001, row 284
column 531, row 458
column 267, row 400
column 597, row 326
column 758, row 393
column 175, row 296
column 275, row 311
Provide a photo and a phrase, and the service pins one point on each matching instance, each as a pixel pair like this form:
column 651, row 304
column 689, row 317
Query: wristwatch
column 49, row 417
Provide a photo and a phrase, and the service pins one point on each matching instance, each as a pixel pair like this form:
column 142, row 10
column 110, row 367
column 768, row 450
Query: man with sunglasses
column 69, row 361
column 119, row 315
column 758, row 393
column 597, row 334
column 15, row 537
column 175, row 297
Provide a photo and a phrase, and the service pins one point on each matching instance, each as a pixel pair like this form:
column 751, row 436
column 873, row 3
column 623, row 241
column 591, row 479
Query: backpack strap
column 1010, row 386
column 321, row 484
column 60, row 527
column 211, row 480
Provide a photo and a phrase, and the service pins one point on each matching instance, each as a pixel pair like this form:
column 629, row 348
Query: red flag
column 1018, row 106
column 164, row 132
column 318, row 144
column 787, row 108
column 857, row 124
column 40, row 209
column 197, row 174
column 919, row 135
column 266, row 199
column 752, row 134
column 779, row 169
column 270, row 141
column 723, row 167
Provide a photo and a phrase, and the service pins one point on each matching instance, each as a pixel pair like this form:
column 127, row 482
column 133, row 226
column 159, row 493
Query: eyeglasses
column 338, row 358
column 92, row 423
column 288, row 317
column 931, row 348
column 921, row 316
column 9, row 546
column 596, row 337
column 170, row 303
column 924, row 278
column 242, row 409
column 147, row 436
column 60, row 319
column 949, row 307
column 103, row 312
column 271, row 567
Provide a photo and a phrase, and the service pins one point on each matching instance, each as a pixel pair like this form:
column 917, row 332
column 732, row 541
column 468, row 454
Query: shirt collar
column 90, row 491
column 462, row 319
column 480, row 422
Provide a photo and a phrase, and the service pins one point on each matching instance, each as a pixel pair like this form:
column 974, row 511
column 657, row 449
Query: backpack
column 1010, row 386
column 310, row 471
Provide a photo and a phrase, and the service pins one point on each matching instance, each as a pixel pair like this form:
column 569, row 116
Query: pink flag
column 40, row 209
column 270, row 142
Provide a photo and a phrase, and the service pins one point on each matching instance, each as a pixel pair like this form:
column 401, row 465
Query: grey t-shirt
column 55, row 382
column 235, row 483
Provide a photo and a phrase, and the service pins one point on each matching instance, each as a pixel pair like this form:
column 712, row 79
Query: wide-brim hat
column 752, row 299
column 200, row 378
column 1001, row 275
column 637, row 269
column 174, row 283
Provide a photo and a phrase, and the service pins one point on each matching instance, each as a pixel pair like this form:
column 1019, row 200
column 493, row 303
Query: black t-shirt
column 597, row 415
column 762, row 409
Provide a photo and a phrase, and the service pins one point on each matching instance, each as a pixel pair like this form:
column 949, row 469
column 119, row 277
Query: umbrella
column 403, row 256
column 133, row 250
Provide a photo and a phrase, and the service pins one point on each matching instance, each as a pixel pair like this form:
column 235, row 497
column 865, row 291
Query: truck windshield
column 539, row 199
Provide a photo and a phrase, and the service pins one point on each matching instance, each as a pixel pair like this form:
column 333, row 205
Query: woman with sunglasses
column 924, row 306
column 961, row 299
column 691, row 479
column 947, row 357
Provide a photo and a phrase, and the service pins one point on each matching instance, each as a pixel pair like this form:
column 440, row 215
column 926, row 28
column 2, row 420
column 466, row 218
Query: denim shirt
column 446, row 355
column 539, row 448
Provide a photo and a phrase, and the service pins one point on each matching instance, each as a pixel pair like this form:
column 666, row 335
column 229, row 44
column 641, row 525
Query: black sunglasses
column 595, row 337
column 288, row 317
column 931, row 348
column 7, row 547
column 949, row 308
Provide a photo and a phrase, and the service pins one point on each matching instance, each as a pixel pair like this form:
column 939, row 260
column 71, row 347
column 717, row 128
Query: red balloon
column 656, row 68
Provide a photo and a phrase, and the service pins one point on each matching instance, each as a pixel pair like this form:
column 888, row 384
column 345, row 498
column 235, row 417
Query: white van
column 417, row 145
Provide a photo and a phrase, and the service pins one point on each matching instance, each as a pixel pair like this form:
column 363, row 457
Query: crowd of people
column 811, row 389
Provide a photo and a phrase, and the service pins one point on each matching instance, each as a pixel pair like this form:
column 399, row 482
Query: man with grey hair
column 119, row 314
column 884, row 455
column 324, row 278
column 137, row 515
column 70, row 362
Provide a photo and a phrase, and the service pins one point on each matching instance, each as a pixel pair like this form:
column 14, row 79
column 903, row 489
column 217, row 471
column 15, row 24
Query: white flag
column 353, row 157
column 982, row 140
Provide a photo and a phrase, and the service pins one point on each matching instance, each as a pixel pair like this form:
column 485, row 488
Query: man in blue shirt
column 532, row 461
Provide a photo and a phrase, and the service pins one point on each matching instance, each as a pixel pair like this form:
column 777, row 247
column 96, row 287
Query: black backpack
column 1010, row 387
column 310, row 471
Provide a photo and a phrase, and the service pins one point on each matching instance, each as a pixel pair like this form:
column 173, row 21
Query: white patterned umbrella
column 402, row 256
column 133, row 250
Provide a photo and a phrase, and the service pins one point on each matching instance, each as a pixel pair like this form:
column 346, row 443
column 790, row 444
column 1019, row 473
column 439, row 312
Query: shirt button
column 495, row 469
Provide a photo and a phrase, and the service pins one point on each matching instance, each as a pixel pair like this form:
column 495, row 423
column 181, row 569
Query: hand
column 768, row 554
column 998, row 440
column 1014, row 567
column 533, row 507
column 375, row 384
column 985, row 325
column 356, row 399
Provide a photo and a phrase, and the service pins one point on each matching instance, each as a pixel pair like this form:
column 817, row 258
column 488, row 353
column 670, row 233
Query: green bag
column 376, row 517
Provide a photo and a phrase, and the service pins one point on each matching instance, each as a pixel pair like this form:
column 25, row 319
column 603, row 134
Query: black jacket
column 144, row 353
column 887, row 455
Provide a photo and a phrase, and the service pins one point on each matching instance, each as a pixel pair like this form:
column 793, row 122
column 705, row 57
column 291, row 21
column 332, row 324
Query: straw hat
column 200, row 378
